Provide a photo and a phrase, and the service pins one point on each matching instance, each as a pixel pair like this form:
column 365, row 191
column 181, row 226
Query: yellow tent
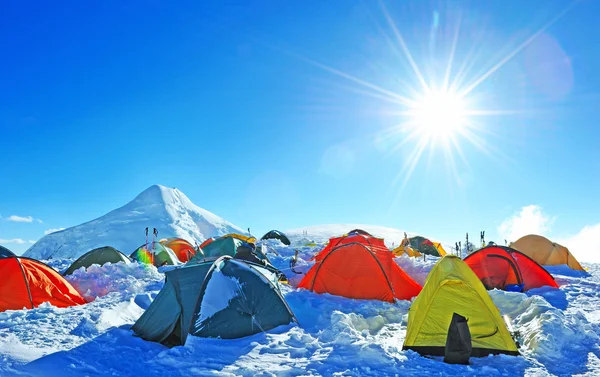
column 240, row 237
column 545, row 252
column 452, row 287
column 406, row 249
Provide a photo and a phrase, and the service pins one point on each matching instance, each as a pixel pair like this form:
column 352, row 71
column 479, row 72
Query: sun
column 438, row 114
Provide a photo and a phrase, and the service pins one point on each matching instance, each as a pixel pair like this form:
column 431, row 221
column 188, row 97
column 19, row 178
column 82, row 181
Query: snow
column 168, row 210
column 322, row 233
column 559, row 331
column 219, row 291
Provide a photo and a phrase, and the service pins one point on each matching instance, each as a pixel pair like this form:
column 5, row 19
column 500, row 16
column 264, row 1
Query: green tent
column 100, row 256
column 225, row 246
column 425, row 246
column 275, row 234
column 154, row 253
column 219, row 298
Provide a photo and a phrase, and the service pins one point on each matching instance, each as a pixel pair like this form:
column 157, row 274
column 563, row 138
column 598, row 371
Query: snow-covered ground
column 560, row 332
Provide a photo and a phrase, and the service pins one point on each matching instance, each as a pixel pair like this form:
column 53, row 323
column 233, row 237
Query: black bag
column 458, row 343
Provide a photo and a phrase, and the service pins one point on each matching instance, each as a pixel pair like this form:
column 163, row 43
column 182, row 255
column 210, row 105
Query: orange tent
column 356, row 235
column 361, row 271
column 545, row 252
column 182, row 248
column 26, row 283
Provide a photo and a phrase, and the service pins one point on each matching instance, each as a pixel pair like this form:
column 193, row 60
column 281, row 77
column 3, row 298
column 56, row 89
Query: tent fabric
column 275, row 234
column 5, row 253
column 350, row 237
column 206, row 242
column 154, row 253
column 545, row 252
column 182, row 248
column 241, row 237
column 27, row 283
column 226, row 245
column 361, row 271
column 406, row 249
column 452, row 287
column 100, row 256
column 499, row 266
column 425, row 246
column 219, row 297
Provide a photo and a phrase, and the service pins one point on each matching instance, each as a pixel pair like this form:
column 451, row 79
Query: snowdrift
column 560, row 330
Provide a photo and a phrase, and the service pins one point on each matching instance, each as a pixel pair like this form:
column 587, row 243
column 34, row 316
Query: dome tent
column 182, row 248
column 356, row 235
column 227, row 245
column 275, row 234
column 100, row 256
column 220, row 297
column 27, row 283
column 154, row 253
column 452, row 287
column 545, row 252
column 359, row 267
column 508, row 269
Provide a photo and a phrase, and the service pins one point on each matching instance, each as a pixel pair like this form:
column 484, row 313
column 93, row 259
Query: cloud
column 584, row 245
column 20, row 219
column 32, row 241
column 530, row 220
column 46, row 232
column 17, row 241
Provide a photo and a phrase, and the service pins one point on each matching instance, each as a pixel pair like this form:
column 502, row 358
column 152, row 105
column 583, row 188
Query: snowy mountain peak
column 167, row 209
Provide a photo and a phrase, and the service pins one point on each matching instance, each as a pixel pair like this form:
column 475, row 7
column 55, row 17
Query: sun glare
column 439, row 114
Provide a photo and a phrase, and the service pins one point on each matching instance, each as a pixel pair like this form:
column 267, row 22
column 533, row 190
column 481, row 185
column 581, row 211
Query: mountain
column 167, row 209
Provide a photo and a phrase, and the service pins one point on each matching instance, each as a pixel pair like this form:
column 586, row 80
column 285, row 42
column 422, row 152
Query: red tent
column 499, row 266
column 182, row 248
column 26, row 283
column 356, row 235
column 359, row 270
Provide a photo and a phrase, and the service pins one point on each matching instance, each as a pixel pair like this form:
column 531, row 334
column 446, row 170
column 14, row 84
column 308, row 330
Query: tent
column 27, row 283
column 226, row 245
column 425, row 246
column 182, row 248
column 545, row 252
column 505, row 268
column 154, row 253
column 452, row 287
column 357, row 236
column 405, row 248
column 101, row 256
column 360, row 270
column 206, row 242
column 275, row 234
column 241, row 237
column 218, row 298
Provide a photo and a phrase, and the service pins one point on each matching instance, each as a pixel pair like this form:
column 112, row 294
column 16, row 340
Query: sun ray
column 452, row 52
column 404, row 47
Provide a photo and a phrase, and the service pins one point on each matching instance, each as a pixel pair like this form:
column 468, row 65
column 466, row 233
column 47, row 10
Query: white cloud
column 20, row 219
column 530, row 220
column 39, row 221
column 18, row 241
column 584, row 245
column 32, row 242
column 46, row 232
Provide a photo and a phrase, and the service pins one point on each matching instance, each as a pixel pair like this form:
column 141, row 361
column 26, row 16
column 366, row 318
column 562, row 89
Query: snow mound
column 168, row 210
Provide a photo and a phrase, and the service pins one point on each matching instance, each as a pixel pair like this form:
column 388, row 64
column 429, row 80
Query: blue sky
column 233, row 105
